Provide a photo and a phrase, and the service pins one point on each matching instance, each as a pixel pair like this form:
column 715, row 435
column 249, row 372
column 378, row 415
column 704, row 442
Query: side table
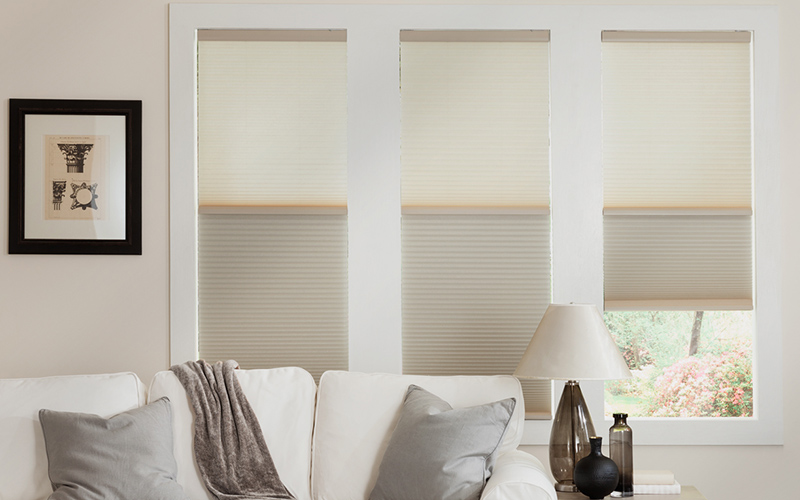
column 687, row 493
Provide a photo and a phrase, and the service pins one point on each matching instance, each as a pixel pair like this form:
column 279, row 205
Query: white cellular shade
column 273, row 290
column 475, row 123
column 677, row 124
column 474, row 289
column 272, row 123
column 677, row 165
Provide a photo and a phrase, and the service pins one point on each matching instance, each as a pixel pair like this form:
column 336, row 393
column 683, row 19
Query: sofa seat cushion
column 519, row 475
column 125, row 457
column 357, row 412
column 23, row 459
column 283, row 401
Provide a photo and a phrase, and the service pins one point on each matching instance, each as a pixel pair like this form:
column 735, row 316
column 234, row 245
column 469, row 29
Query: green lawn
column 623, row 404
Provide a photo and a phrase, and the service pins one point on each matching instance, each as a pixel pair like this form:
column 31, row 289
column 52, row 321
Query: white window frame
column 576, row 159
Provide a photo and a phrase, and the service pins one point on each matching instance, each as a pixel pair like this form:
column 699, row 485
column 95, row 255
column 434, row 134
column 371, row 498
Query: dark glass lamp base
column 569, row 436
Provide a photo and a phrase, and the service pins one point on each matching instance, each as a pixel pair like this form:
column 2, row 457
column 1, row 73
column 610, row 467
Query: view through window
column 684, row 363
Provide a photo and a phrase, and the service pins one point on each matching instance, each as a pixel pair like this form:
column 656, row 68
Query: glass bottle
column 620, row 440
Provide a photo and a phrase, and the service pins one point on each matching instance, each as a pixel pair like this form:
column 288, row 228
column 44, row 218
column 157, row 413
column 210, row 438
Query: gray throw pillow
column 126, row 457
column 438, row 453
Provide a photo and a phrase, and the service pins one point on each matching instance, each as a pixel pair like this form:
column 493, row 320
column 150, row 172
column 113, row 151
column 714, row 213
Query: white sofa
column 326, row 442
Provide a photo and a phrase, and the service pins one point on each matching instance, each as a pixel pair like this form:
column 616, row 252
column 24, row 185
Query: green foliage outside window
column 715, row 381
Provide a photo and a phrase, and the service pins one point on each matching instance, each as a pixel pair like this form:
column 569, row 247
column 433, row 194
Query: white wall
column 90, row 314
column 73, row 314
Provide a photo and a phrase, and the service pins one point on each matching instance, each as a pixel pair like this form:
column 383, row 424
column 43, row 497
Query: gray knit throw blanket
column 229, row 446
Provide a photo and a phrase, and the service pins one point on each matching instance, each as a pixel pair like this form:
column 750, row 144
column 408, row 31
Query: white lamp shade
column 572, row 343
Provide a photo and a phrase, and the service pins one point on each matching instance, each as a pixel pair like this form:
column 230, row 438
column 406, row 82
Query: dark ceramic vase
column 596, row 475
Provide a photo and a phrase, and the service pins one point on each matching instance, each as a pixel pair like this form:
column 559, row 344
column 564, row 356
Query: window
column 272, row 191
column 475, row 201
column 375, row 170
column 678, row 220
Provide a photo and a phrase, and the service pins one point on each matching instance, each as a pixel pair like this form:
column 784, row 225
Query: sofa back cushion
column 283, row 401
column 23, row 459
column 357, row 412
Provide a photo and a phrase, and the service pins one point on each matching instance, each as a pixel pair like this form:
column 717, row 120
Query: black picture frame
column 107, row 136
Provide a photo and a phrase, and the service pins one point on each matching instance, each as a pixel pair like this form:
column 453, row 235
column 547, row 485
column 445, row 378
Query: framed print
column 75, row 177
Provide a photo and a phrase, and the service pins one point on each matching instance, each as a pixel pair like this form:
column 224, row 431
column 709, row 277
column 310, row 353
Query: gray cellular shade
column 678, row 262
column 273, row 290
column 474, row 289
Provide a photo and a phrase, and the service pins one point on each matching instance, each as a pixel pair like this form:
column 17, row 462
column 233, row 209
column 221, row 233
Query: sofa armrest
column 518, row 476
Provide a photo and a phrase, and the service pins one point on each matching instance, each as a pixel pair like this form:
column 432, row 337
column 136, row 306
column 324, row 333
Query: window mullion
column 577, row 179
column 373, row 180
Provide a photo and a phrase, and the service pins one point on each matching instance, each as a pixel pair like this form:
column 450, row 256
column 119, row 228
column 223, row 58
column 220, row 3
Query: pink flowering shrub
column 711, row 385
column 620, row 387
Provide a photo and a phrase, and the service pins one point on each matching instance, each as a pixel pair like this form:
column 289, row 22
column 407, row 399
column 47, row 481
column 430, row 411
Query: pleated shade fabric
column 273, row 290
column 678, row 262
column 475, row 123
column 677, row 164
column 476, row 195
column 272, row 124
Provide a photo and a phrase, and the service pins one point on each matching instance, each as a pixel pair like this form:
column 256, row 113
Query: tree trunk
column 694, row 343
column 637, row 358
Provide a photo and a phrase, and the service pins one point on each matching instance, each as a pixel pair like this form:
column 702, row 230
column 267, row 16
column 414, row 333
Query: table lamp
column 571, row 343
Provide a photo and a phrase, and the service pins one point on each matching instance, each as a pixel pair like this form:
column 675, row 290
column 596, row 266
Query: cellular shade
column 474, row 288
column 475, row 121
column 272, row 120
column 273, row 290
column 677, row 164
column 678, row 262
column 677, row 125
column 475, row 194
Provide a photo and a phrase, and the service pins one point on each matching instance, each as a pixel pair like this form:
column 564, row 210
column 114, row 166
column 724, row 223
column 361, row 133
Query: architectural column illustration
column 59, row 187
column 75, row 154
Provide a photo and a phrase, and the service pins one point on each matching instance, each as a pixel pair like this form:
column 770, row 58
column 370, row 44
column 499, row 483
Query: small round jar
column 596, row 475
